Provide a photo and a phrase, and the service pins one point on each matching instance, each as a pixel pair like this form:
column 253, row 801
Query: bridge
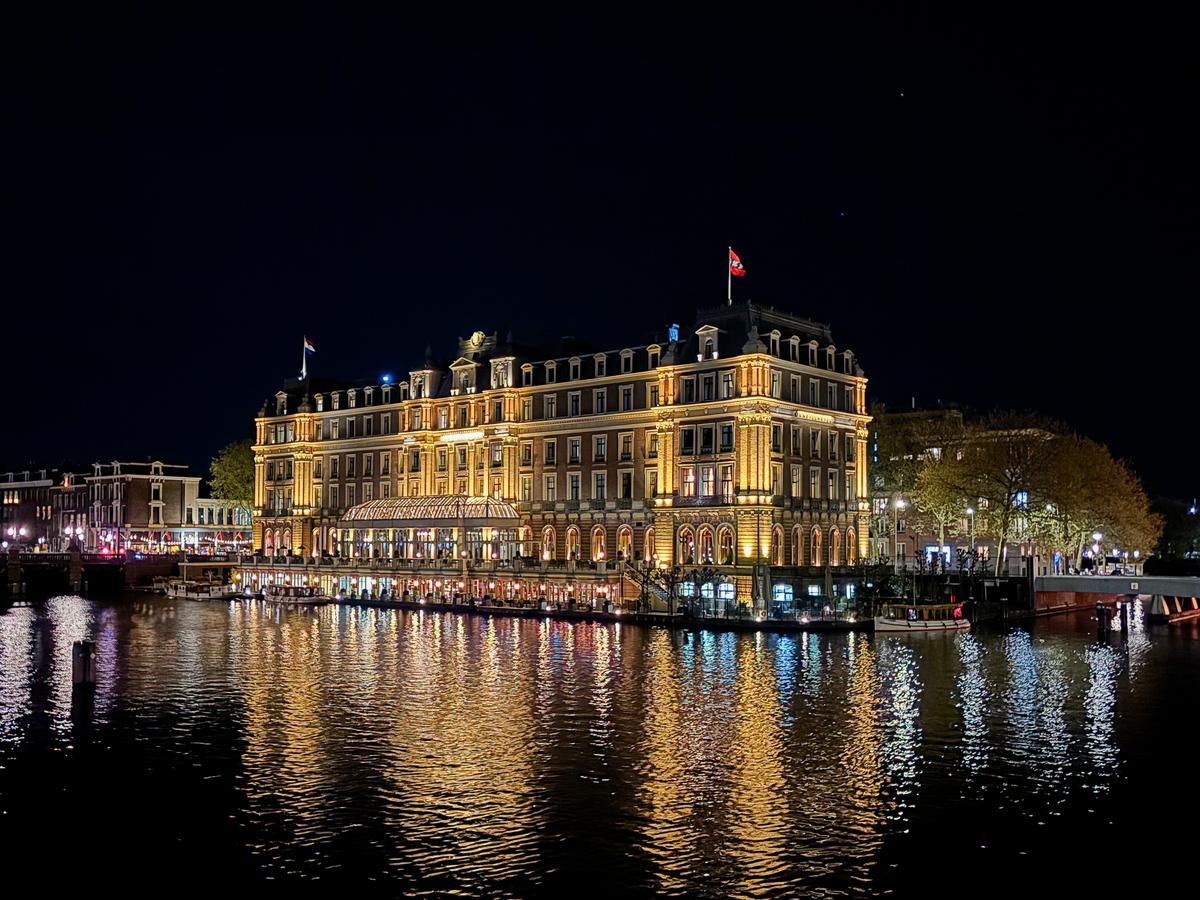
column 27, row 573
column 1174, row 598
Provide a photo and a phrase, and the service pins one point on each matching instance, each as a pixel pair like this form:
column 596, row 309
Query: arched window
column 797, row 546
column 286, row 546
column 725, row 546
column 624, row 542
column 598, row 543
column 835, row 547
column 548, row 542
column 814, row 556
column 706, row 545
column 572, row 543
column 316, row 542
column 709, row 348
column 687, row 546
column 777, row 546
column 268, row 543
column 851, row 547
column 331, row 541
column 648, row 541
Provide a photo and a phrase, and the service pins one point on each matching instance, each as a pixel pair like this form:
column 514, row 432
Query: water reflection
column 501, row 756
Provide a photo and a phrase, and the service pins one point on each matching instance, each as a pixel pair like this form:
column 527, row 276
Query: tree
column 998, row 466
column 232, row 474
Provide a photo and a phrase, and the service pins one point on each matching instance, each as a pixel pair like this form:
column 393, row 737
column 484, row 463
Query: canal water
column 436, row 754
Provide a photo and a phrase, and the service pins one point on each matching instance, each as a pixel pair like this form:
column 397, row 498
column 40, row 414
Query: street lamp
column 896, row 507
column 971, row 519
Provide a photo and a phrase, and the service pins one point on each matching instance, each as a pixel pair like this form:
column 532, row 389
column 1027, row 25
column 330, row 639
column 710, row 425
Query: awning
column 453, row 511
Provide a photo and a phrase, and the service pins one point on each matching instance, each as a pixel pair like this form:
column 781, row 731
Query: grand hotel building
column 737, row 445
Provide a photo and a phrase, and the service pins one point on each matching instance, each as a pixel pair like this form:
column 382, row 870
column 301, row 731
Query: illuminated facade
column 739, row 444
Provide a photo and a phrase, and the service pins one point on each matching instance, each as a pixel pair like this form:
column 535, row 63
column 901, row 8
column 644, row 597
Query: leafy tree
column 997, row 466
column 232, row 474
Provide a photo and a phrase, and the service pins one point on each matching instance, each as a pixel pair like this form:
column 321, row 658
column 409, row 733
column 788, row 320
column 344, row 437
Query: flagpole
column 729, row 277
column 303, row 362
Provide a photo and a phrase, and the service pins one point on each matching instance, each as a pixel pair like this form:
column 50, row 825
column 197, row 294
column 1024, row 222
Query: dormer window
column 830, row 352
column 551, row 372
column 526, row 375
column 775, row 343
column 710, row 349
column 626, row 361
column 653, row 354
column 352, row 398
column 387, row 395
column 574, row 369
column 281, row 405
column 320, row 398
column 848, row 363
column 812, row 353
column 601, row 365
column 795, row 348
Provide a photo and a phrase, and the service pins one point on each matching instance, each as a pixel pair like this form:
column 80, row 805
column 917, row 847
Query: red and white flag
column 736, row 269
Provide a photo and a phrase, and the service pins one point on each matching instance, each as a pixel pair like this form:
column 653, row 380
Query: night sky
column 1001, row 213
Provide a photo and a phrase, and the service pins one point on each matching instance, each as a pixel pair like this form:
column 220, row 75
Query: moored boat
column 921, row 617
column 181, row 589
column 293, row 595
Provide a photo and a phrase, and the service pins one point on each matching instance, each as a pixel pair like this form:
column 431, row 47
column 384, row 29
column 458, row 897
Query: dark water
column 439, row 755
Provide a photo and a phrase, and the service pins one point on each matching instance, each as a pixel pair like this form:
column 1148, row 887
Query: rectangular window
column 776, row 438
column 689, row 389
column 599, row 448
column 574, row 451
column 573, row 404
column 814, row 483
column 727, row 483
column 776, row 384
column 550, row 402
column 833, row 445
column 651, row 481
column 832, row 396
column 795, row 481
column 626, row 399
column 600, row 402
column 368, row 464
column 527, row 453
column 687, row 441
column 601, row 366
column 726, row 385
column 812, row 392
column 626, row 448
column 708, row 481
column 776, row 479
column 526, row 488
column 814, row 442
column 687, row 480
column 527, row 409
column 443, row 417
column 599, row 480
column 573, row 482
column 654, row 395
column 708, row 388
column 550, row 451
column 549, row 488
column 385, row 423
column 832, row 486
column 707, row 437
